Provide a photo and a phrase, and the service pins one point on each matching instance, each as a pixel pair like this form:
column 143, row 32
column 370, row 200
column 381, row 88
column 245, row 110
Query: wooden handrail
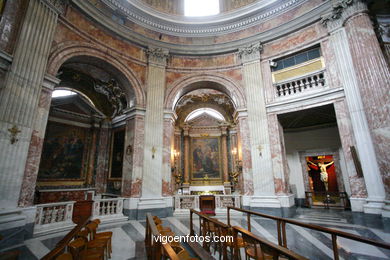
column 221, row 228
column 154, row 247
column 279, row 250
column 60, row 246
column 282, row 238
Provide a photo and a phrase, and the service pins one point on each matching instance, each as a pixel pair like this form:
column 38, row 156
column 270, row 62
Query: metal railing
column 281, row 229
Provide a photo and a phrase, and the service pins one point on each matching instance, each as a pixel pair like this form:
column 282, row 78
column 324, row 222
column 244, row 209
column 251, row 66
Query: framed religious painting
column 64, row 156
column 116, row 153
column 205, row 162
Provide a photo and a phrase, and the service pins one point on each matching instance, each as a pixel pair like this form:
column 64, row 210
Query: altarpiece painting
column 205, row 158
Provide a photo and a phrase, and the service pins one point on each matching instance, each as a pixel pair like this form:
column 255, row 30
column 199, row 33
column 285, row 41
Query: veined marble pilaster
column 133, row 156
column 36, row 144
column 263, row 180
column 244, row 154
column 102, row 159
column 350, row 80
column 154, row 124
column 224, row 154
column 186, row 154
column 168, row 143
column 20, row 96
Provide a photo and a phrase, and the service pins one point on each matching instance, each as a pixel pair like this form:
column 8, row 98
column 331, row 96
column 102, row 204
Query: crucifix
column 260, row 148
column 14, row 132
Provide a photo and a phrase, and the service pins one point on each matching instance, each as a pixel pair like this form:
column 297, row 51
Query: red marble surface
column 59, row 196
column 373, row 75
column 27, row 190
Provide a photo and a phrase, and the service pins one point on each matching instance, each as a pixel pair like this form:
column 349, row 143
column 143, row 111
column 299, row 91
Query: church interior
column 264, row 120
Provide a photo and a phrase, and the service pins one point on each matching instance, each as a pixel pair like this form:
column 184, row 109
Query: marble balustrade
column 53, row 217
column 300, row 84
column 108, row 210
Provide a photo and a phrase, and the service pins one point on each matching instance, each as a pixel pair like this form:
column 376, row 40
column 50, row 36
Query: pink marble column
column 374, row 80
column 102, row 157
column 133, row 156
column 357, row 184
column 27, row 190
column 92, row 153
column 186, row 155
column 224, row 154
column 168, row 137
column 247, row 178
column 278, row 155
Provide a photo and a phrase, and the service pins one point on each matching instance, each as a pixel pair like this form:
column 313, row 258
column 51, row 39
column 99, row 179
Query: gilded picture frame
column 205, row 159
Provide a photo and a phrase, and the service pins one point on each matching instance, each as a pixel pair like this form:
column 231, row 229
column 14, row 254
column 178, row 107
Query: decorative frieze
column 250, row 53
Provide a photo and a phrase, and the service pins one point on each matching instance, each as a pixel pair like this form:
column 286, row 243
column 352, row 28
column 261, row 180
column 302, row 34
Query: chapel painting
column 117, row 146
column 64, row 152
column 205, row 155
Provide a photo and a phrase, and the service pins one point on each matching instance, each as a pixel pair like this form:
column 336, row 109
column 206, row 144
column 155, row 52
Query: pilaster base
column 373, row 206
column 16, row 225
column 386, row 209
column 357, row 204
column 264, row 202
column 136, row 208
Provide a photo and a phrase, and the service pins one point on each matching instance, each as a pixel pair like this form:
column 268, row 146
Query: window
column 208, row 111
column 62, row 93
column 201, row 7
column 297, row 58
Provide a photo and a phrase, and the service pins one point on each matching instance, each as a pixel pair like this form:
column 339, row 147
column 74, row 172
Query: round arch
column 199, row 81
column 65, row 51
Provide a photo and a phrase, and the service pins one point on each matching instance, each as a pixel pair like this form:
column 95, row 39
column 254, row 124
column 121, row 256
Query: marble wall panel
column 102, row 159
column 332, row 77
column 60, row 196
column 10, row 24
column 246, row 179
column 299, row 39
column 357, row 184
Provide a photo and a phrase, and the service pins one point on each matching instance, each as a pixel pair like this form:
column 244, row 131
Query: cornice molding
column 206, row 46
column 200, row 27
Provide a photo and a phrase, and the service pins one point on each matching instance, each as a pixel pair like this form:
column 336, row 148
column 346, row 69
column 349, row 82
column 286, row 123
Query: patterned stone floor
column 128, row 237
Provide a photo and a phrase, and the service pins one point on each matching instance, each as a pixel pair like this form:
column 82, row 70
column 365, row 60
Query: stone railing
column 300, row 84
column 53, row 217
column 108, row 209
column 185, row 202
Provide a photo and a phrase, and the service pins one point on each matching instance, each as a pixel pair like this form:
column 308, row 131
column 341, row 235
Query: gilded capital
column 251, row 52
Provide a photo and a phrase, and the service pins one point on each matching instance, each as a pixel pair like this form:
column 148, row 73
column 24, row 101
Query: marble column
column 133, row 155
column 224, row 155
column 186, row 155
column 263, row 180
column 373, row 74
column 352, row 83
column 169, row 120
column 154, row 126
column 36, row 144
column 19, row 97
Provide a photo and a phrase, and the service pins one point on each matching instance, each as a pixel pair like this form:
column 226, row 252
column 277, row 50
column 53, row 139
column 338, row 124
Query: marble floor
column 128, row 237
